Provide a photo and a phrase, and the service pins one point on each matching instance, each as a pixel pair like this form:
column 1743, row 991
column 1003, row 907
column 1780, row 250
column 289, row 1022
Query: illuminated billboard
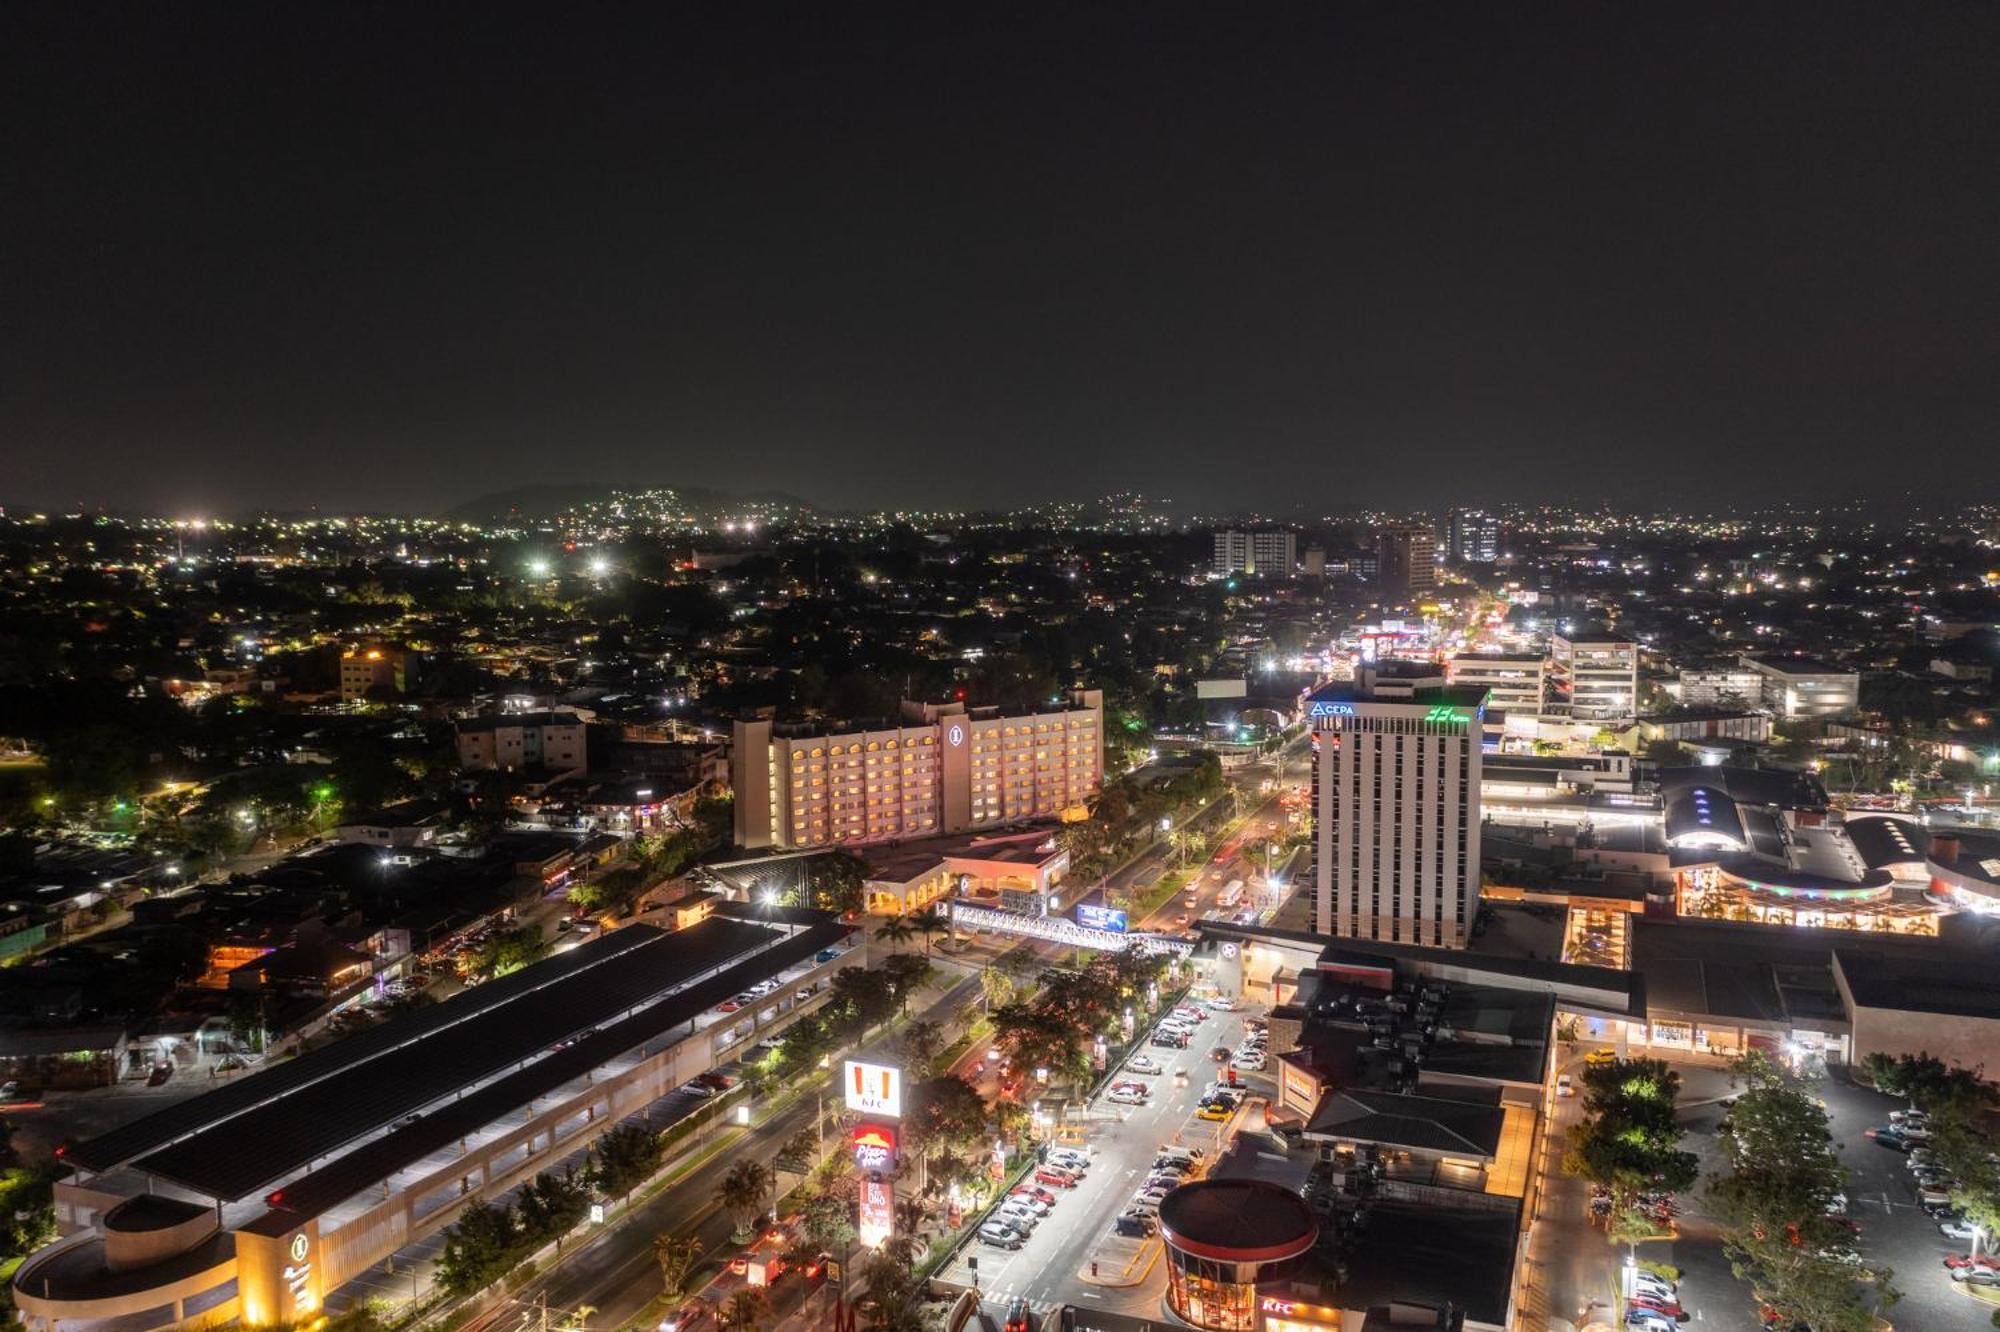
column 1101, row 918
column 877, row 1212
column 874, row 1146
column 874, row 1089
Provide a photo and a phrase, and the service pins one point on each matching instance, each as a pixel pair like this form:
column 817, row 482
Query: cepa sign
column 874, row 1089
column 1331, row 710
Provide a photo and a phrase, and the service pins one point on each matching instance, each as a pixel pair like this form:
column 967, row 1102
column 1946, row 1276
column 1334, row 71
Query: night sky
column 395, row 257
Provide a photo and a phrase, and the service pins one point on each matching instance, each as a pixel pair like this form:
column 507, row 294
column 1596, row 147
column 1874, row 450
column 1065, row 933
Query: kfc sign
column 874, row 1089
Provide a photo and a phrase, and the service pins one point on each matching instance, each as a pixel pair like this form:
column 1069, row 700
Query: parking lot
column 1882, row 1200
column 1053, row 1266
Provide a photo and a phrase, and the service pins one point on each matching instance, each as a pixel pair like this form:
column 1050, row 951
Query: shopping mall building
column 261, row 1201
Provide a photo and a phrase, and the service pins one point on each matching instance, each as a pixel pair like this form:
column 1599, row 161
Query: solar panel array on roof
column 375, row 1161
column 315, row 1121
column 164, row 1126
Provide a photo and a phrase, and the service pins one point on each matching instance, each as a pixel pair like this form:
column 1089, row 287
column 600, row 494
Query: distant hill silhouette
column 549, row 499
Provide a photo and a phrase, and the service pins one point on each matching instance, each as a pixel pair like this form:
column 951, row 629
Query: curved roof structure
column 1238, row 1221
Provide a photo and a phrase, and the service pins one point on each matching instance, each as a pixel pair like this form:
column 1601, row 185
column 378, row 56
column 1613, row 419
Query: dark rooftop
column 323, row 1101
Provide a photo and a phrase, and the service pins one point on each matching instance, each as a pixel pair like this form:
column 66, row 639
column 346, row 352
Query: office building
column 550, row 742
column 1472, row 536
column 942, row 768
column 1514, row 681
column 1805, row 687
column 1396, row 791
column 1720, row 685
column 1270, row 554
column 1406, row 560
column 1594, row 678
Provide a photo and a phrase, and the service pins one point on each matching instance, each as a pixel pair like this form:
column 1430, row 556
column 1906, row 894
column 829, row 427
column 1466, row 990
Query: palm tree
column 911, row 1213
column 677, row 1255
column 743, row 1191
column 930, row 921
column 745, row 1309
column 897, row 930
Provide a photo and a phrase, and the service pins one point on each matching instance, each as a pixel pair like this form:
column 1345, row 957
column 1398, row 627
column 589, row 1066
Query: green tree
column 677, row 1255
column 922, row 1042
column 744, row 1311
column 930, row 922
column 552, row 1205
column 479, row 1248
column 906, row 974
column 835, row 881
column 744, row 1190
column 1628, row 1140
column 946, row 1111
column 624, row 1158
column 996, row 987
column 861, row 999
column 896, row 931
column 1773, row 1205
column 800, row 1152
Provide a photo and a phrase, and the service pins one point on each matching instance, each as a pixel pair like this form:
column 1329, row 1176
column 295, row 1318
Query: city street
column 1053, row 1267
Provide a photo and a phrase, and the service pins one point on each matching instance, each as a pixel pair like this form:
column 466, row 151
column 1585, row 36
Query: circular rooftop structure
column 1237, row 1221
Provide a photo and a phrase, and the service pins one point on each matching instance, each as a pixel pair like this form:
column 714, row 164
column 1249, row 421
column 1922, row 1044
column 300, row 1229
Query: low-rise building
column 1805, row 686
column 552, row 742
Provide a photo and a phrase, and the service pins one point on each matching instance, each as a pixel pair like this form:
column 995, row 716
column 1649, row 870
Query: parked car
column 1958, row 1229
column 1039, row 1195
column 1143, row 1063
column 1885, row 1136
column 1214, row 1111
column 1565, row 1085
column 1248, row 1063
column 1072, row 1158
column 1975, row 1276
column 158, row 1077
column 1222, row 1003
column 1001, row 1235
column 1055, row 1175
column 1134, row 1224
column 1025, row 1202
column 1659, row 1304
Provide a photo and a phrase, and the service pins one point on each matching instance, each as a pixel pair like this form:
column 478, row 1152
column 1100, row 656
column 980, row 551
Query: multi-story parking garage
column 259, row 1200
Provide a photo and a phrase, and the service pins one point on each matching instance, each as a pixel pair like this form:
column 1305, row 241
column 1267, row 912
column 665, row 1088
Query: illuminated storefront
column 1710, row 892
column 1224, row 1237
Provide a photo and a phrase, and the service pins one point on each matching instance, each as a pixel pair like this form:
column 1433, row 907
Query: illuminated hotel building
column 943, row 768
column 1395, row 794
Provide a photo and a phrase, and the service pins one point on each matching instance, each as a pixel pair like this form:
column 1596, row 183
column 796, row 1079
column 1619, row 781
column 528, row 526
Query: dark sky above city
column 395, row 256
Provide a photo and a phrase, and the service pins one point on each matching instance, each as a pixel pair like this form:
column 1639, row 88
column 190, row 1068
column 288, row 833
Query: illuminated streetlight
column 599, row 566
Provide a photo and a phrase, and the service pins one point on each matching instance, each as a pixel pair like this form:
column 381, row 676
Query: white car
column 1069, row 1159
column 1654, row 1285
column 1222, row 1004
column 1249, row 1063
column 1140, row 1063
column 1152, row 1196
column 1126, row 1096
column 1018, row 1213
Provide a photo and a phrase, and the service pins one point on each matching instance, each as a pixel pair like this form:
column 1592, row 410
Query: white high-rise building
column 1515, row 680
column 1396, row 792
column 1272, row 554
column 1594, row 677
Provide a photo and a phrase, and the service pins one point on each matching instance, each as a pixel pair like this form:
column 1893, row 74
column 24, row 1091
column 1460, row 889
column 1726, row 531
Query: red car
column 1657, row 1305
column 1985, row 1260
column 1039, row 1195
column 1055, row 1175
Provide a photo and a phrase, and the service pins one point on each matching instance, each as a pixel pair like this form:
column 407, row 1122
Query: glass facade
column 1219, row 1296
